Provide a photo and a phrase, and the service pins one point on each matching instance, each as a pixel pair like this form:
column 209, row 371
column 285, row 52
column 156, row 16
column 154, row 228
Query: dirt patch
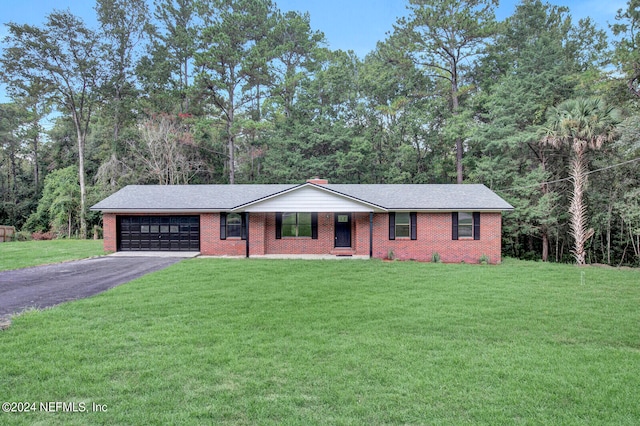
column 5, row 322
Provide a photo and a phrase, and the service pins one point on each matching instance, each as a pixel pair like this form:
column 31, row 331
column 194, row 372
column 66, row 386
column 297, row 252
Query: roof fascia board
column 165, row 211
column 450, row 209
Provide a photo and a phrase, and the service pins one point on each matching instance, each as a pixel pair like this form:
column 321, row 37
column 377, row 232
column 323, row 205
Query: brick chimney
column 317, row 181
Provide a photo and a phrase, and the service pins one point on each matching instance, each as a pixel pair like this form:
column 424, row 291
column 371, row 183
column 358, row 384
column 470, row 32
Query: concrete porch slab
column 181, row 254
column 309, row 256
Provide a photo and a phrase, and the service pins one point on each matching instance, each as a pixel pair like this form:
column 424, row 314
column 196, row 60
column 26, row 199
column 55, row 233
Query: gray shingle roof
column 226, row 197
column 426, row 197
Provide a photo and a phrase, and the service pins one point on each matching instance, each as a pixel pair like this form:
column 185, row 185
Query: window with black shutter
column 465, row 225
column 403, row 225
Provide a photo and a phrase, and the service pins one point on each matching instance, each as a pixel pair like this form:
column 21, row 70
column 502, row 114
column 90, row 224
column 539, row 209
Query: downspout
column 370, row 235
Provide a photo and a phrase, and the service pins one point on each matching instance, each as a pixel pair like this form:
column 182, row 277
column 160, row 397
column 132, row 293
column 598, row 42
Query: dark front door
column 343, row 229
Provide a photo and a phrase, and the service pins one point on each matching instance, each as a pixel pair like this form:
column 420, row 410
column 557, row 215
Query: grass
column 222, row 341
column 21, row 254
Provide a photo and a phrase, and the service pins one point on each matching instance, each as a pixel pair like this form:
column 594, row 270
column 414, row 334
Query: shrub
column 484, row 259
column 390, row 254
column 435, row 257
column 97, row 232
column 38, row 236
column 22, row 236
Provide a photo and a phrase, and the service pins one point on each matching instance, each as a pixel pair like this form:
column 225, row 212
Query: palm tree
column 582, row 124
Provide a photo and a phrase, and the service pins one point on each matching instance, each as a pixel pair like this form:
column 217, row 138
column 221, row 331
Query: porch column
column 370, row 235
column 247, row 214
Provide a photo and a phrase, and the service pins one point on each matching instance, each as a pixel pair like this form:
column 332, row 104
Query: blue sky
column 348, row 24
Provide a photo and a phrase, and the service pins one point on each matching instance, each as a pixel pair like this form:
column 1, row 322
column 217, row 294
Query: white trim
column 240, row 210
column 447, row 210
column 176, row 211
column 323, row 200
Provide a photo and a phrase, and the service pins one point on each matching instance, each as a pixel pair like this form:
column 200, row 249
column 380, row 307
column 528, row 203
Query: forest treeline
column 541, row 108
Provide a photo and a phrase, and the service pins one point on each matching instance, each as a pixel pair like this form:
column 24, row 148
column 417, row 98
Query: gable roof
column 385, row 197
column 310, row 198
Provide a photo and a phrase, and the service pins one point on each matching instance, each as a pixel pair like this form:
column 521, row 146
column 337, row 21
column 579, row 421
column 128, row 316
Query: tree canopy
column 238, row 91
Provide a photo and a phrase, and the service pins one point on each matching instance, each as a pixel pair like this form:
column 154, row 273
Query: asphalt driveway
column 49, row 285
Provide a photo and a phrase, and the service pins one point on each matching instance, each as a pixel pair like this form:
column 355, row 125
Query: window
column 296, row 224
column 403, row 225
column 465, row 225
column 234, row 225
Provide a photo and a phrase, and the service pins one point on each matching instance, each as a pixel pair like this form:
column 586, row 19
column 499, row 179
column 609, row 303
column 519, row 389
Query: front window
column 403, row 225
column 465, row 225
column 296, row 224
column 234, row 225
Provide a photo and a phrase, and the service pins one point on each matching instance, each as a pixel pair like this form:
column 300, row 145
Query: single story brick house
column 458, row 222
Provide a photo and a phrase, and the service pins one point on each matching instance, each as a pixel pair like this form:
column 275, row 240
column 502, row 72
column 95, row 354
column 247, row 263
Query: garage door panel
column 158, row 233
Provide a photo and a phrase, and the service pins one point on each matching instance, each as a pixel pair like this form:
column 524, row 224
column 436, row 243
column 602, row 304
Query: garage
column 158, row 233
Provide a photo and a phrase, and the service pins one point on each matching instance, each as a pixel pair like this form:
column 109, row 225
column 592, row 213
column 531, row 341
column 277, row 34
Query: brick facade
column 433, row 236
column 109, row 232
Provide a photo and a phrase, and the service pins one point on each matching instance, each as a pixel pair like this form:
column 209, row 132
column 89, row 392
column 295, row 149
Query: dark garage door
column 158, row 233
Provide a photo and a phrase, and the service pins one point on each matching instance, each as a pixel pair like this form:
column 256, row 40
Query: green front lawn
column 214, row 341
column 21, row 254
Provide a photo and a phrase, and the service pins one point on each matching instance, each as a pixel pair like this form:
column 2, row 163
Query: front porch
column 334, row 234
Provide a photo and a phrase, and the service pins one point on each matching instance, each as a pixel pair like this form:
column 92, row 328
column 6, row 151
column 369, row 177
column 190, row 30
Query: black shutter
column 223, row 226
column 454, row 225
column 278, row 226
column 314, row 226
column 243, row 232
column 392, row 226
column 476, row 225
column 414, row 225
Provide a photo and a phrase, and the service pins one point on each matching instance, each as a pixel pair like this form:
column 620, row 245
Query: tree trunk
column 455, row 105
column 232, row 160
column 81, row 177
column 231, row 146
column 545, row 244
column 186, row 86
column 36, row 167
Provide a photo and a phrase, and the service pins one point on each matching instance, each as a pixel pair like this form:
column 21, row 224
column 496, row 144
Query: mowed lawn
column 21, row 254
column 215, row 341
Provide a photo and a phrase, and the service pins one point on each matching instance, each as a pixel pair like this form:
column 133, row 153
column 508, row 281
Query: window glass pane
column 465, row 231
column 234, row 231
column 288, row 224
column 465, row 218
column 304, row 230
column 144, row 228
column 234, row 225
column 465, row 225
column 402, row 230
column 164, row 228
column 402, row 219
column 304, row 224
column 174, row 229
column 402, row 225
column 154, row 228
column 234, row 219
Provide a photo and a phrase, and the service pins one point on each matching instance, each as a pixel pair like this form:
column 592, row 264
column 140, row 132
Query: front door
column 343, row 229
